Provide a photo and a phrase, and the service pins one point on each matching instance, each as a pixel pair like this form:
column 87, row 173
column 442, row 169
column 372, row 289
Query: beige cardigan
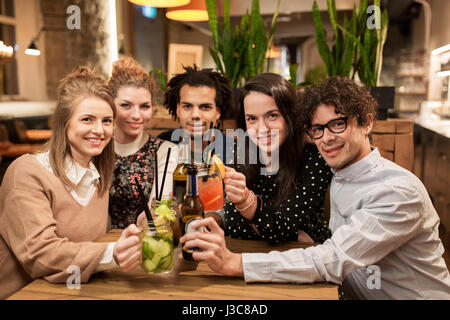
column 43, row 230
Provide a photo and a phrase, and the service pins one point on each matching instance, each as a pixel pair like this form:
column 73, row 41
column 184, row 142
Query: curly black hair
column 194, row 77
column 348, row 98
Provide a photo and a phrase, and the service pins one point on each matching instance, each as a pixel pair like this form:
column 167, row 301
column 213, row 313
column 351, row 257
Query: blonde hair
column 127, row 72
column 75, row 87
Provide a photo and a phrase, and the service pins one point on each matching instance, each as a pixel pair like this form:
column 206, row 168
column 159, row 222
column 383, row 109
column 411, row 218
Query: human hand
column 127, row 252
column 302, row 236
column 214, row 250
column 235, row 186
column 140, row 219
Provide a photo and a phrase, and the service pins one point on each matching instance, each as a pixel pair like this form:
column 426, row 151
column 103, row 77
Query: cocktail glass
column 157, row 247
column 167, row 209
column 210, row 188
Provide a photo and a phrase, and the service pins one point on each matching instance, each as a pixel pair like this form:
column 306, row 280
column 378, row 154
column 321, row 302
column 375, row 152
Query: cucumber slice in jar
column 153, row 245
column 146, row 251
column 155, row 260
column 148, row 265
column 166, row 262
column 164, row 248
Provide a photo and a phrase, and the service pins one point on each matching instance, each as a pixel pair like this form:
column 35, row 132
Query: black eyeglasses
column 335, row 126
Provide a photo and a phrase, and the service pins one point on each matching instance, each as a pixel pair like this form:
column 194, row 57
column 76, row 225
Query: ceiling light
column 160, row 3
column 194, row 11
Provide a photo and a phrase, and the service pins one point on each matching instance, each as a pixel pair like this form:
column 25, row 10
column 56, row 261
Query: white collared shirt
column 85, row 181
column 385, row 242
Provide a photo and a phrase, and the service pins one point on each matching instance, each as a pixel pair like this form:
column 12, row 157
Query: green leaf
column 226, row 16
column 216, row 58
column 365, row 51
column 347, row 56
column 362, row 18
column 251, row 60
column 321, row 40
column 337, row 38
column 381, row 38
column 352, row 36
column 293, row 68
column 213, row 21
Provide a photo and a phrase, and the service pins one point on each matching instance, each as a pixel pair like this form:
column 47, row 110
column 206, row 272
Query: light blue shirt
column 385, row 242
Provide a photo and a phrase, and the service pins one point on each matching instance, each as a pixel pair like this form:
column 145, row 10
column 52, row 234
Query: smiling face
column 89, row 129
column 265, row 124
column 134, row 111
column 341, row 150
column 197, row 109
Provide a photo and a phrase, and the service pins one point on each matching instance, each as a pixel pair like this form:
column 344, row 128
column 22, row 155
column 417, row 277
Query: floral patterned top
column 124, row 202
column 302, row 210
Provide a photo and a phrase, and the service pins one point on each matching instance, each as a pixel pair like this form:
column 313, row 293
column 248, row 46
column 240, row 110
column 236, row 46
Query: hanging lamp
column 194, row 11
column 160, row 3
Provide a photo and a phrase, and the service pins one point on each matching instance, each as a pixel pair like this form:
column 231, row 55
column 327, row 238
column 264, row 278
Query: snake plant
column 355, row 46
column 339, row 59
column 239, row 54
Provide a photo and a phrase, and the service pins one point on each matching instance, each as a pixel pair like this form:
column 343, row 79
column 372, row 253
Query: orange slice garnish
column 217, row 163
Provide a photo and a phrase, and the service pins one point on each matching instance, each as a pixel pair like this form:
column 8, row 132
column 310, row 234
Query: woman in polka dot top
column 281, row 200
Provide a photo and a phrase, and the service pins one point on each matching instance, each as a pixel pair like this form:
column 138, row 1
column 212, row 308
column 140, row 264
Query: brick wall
column 66, row 49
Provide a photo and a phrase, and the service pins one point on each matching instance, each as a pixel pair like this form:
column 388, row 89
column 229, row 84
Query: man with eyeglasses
column 385, row 242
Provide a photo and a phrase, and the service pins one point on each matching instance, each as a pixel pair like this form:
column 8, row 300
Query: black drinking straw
column 208, row 164
column 156, row 175
column 143, row 200
column 210, row 129
column 209, row 161
column 164, row 175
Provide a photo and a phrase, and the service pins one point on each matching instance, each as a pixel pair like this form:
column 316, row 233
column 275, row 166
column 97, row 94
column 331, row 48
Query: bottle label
column 188, row 227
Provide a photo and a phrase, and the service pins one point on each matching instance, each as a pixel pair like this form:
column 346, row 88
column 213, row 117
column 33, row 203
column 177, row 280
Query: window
column 7, row 8
column 8, row 66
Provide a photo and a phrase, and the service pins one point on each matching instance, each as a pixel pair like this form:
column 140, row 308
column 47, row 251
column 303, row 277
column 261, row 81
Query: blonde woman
column 53, row 204
column 132, row 90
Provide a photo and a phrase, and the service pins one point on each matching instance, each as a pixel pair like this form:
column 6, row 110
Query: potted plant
column 357, row 49
column 239, row 54
column 340, row 58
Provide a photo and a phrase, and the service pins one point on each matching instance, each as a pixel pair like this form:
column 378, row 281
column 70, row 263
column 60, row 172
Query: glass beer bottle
column 191, row 208
column 180, row 174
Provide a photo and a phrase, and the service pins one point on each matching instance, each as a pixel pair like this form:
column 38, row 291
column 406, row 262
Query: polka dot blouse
column 302, row 210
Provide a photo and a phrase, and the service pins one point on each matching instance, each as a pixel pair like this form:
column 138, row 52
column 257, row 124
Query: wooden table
column 189, row 281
